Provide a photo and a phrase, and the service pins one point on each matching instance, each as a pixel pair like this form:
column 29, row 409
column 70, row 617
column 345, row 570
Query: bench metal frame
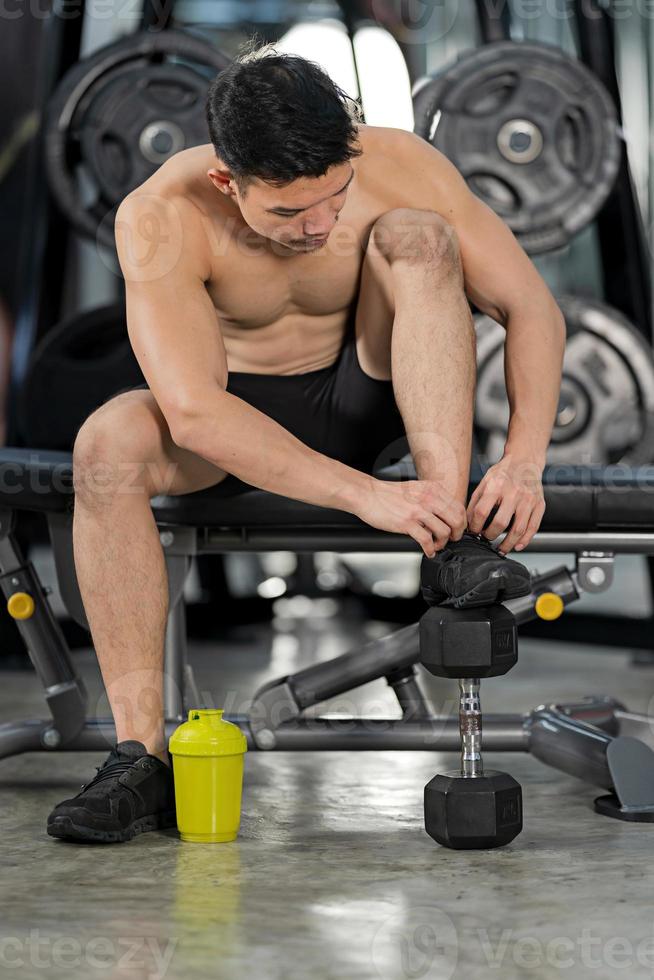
column 573, row 737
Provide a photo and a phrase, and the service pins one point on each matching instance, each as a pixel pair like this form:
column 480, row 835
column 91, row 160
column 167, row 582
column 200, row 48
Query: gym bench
column 592, row 512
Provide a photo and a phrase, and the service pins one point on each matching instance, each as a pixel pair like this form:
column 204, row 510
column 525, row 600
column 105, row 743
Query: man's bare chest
column 250, row 290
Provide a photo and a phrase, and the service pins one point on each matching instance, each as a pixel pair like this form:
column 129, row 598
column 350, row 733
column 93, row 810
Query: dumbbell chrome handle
column 470, row 726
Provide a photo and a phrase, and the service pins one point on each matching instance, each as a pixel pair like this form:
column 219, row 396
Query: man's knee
column 111, row 452
column 414, row 236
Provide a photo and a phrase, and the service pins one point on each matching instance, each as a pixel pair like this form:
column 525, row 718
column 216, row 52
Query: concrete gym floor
column 332, row 875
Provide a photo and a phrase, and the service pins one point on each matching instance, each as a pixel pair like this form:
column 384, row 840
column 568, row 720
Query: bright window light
column 384, row 79
column 327, row 43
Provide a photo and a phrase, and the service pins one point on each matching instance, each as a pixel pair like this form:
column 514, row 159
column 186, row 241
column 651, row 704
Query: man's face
column 299, row 216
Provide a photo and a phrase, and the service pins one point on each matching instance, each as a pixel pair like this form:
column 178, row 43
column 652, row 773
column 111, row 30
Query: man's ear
column 223, row 181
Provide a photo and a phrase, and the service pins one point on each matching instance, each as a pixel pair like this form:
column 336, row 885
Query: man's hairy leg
column 433, row 367
column 123, row 456
column 425, row 342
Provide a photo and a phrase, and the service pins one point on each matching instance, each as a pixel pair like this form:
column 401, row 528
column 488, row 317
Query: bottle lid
column 205, row 733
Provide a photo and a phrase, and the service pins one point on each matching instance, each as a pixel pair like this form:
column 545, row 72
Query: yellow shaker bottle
column 208, row 768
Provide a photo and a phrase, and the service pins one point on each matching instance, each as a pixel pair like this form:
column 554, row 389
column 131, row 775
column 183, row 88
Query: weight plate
column 533, row 132
column 74, row 369
column 117, row 116
column 606, row 404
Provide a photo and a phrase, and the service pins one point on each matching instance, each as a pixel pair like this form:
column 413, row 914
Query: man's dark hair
column 278, row 117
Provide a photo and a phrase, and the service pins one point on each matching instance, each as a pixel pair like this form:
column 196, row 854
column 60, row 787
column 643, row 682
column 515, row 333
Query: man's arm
column 177, row 341
column 501, row 280
column 176, row 337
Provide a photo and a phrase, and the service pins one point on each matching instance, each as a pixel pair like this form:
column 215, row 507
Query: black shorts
column 339, row 410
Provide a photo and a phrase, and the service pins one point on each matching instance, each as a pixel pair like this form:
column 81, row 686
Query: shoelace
column 106, row 772
column 478, row 536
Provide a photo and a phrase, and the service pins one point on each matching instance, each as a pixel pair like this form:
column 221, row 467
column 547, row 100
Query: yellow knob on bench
column 20, row 605
column 549, row 605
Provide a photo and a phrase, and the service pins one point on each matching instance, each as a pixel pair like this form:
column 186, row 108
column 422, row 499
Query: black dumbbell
column 471, row 808
column 473, row 812
column 480, row 642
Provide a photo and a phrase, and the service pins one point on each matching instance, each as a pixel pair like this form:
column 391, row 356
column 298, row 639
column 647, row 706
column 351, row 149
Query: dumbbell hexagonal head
column 473, row 811
column 481, row 642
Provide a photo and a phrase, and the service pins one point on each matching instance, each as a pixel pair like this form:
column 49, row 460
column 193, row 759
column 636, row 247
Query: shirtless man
column 297, row 298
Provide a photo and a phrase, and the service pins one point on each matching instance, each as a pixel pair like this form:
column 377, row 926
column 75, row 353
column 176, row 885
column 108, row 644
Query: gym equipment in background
column 76, row 367
column 606, row 404
column 533, row 132
column 116, row 116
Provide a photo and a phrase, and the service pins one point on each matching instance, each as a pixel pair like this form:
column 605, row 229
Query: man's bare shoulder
column 166, row 217
column 413, row 171
column 183, row 175
column 388, row 141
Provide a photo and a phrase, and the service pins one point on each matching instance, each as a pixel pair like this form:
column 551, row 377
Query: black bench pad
column 578, row 498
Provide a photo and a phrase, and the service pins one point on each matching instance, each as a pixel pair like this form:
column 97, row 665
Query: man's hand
column 421, row 508
column 515, row 485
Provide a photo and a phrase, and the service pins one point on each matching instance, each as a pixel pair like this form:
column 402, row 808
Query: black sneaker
column 470, row 572
column 132, row 792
